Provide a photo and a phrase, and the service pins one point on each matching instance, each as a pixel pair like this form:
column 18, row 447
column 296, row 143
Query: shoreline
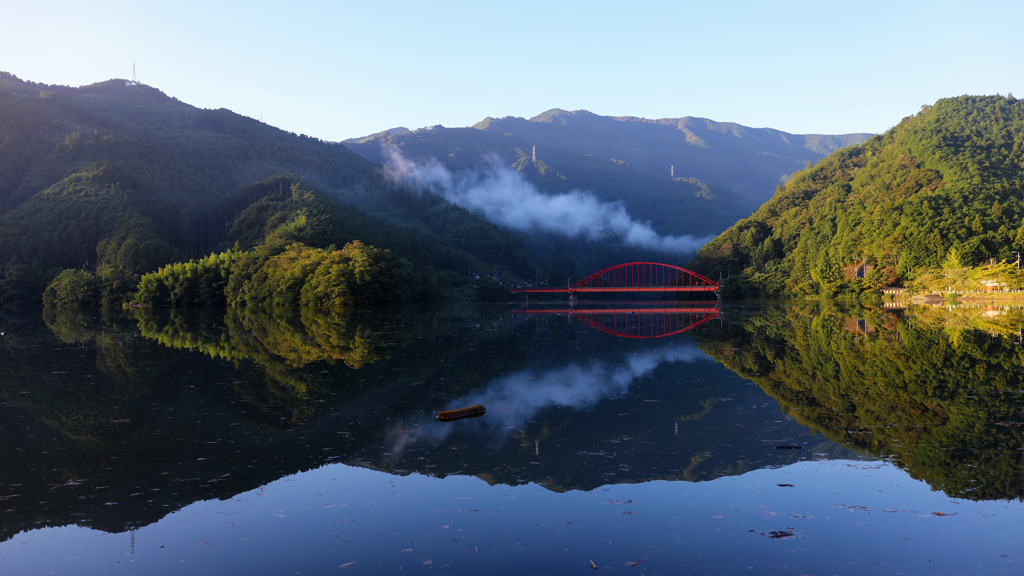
column 964, row 298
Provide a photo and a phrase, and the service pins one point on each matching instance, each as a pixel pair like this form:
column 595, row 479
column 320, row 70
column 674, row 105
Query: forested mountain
column 942, row 188
column 722, row 172
column 122, row 178
column 746, row 161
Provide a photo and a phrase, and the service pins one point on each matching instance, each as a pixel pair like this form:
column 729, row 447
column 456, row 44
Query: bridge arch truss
column 645, row 277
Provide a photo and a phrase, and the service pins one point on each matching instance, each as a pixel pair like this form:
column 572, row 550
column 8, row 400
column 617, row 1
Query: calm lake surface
column 773, row 439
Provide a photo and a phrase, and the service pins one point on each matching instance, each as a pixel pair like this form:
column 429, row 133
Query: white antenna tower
column 672, row 171
column 134, row 81
column 534, row 153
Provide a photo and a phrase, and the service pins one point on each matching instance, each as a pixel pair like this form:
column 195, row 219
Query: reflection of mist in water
column 513, row 400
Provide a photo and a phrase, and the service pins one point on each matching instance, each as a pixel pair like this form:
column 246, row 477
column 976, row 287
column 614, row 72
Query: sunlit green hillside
column 944, row 182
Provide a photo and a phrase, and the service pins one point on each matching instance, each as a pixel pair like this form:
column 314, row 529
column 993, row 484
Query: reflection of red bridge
column 636, row 277
column 639, row 322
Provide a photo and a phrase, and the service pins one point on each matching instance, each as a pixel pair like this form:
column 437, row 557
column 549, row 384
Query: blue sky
column 337, row 70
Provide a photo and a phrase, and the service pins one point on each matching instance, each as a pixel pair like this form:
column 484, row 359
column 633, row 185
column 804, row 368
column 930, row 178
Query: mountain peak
column 558, row 115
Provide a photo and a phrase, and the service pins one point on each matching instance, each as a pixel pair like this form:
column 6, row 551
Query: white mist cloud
column 513, row 400
column 504, row 197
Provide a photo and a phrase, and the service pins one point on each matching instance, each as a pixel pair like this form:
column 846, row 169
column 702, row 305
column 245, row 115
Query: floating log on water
column 474, row 411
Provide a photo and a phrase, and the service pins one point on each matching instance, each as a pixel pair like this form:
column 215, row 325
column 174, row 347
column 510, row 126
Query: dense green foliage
column 285, row 255
column 891, row 208
column 100, row 219
column 933, row 387
column 956, row 277
column 194, row 283
column 356, row 275
column 73, row 289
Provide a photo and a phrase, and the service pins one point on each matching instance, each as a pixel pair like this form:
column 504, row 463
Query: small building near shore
column 993, row 286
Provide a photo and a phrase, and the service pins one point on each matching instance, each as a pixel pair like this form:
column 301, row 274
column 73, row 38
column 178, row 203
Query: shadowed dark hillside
column 121, row 179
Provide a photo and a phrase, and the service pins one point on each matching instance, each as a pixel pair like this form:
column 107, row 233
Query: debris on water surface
column 784, row 447
column 592, row 565
column 786, row 485
column 779, row 534
column 474, row 411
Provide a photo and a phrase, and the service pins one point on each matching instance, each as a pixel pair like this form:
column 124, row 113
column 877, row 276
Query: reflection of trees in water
column 271, row 348
column 86, row 391
column 292, row 337
column 957, row 322
column 183, row 435
column 168, row 419
column 72, row 326
column 309, row 335
column 927, row 386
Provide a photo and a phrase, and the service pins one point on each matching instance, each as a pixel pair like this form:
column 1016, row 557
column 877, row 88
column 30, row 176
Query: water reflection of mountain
column 939, row 390
column 115, row 431
column 651, row 412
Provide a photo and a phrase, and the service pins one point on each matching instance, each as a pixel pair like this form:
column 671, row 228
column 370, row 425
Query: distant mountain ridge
column 681, row 206
column 683, row 175
column 746, row 161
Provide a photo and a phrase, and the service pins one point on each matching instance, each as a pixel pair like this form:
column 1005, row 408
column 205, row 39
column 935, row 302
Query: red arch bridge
column 639, row 322
column 635, row 277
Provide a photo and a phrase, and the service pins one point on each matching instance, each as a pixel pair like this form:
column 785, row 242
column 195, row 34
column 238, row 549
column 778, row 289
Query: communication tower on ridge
column 534, row 153
column 134, row 81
